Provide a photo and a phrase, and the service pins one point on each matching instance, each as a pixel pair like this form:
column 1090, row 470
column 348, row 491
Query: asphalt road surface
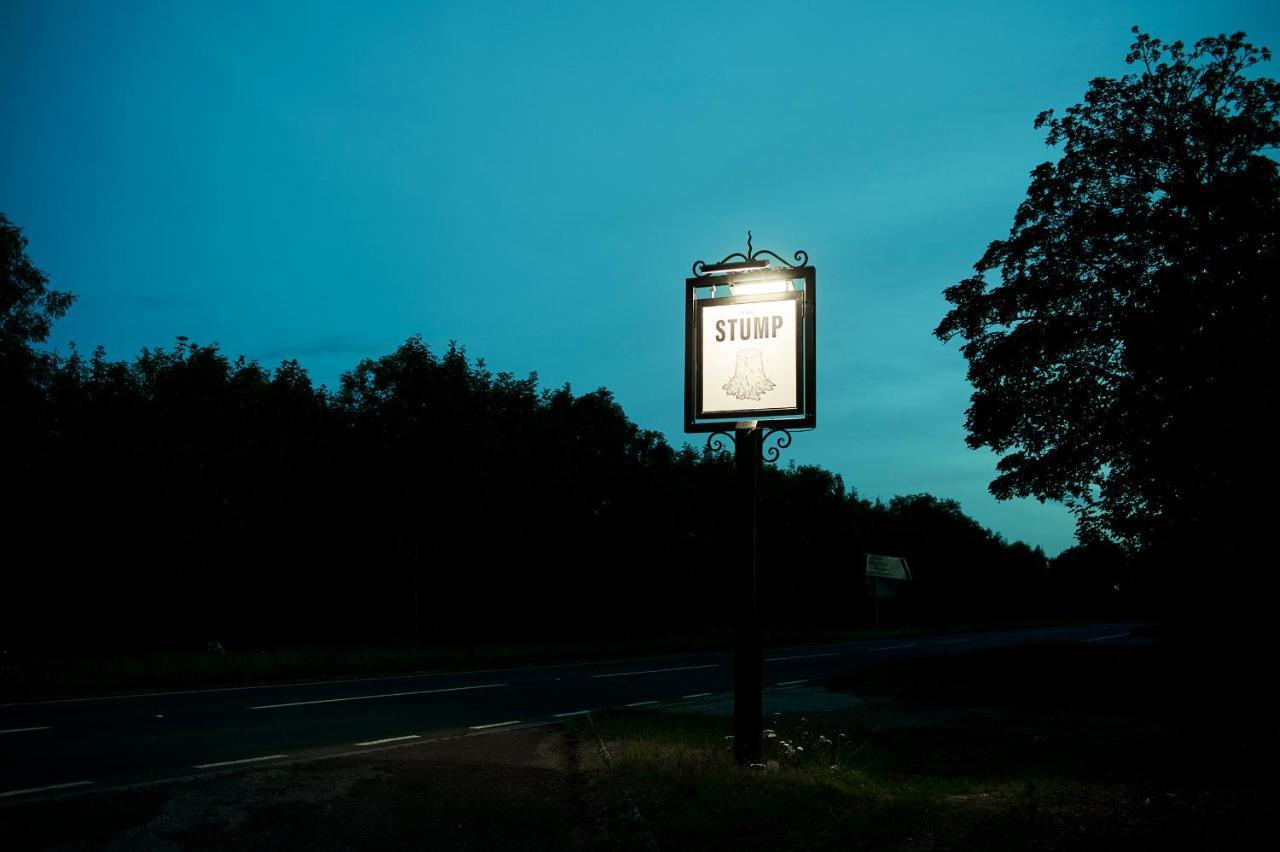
column 61, row 748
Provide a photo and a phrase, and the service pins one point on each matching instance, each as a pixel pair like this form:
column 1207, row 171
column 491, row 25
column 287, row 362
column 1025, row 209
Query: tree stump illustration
column 749, row 380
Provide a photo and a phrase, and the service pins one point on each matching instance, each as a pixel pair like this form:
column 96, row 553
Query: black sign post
column 748, row 649
column 750, row 377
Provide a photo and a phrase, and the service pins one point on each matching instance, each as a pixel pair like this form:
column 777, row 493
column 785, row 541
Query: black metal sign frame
column 805, row 413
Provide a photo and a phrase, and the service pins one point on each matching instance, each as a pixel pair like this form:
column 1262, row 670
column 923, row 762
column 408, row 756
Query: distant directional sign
column 887, row 568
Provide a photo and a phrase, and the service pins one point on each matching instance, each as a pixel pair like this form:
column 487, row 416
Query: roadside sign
column 750, row 365
column 751, row 348
column 887, row 568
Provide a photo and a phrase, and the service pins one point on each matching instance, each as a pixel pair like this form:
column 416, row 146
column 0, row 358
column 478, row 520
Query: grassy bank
column 103, row 670
column 1055, row 747
column 41, row 675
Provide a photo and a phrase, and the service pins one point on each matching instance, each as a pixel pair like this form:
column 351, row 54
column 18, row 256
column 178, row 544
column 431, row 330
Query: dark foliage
column 1122, row 362
column 187, row 497
column 27, row 312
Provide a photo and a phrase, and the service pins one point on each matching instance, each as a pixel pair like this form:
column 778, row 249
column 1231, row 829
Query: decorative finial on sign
column 753, row 259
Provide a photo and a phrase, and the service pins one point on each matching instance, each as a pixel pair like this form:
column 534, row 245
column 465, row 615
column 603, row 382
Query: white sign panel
column 750, row 356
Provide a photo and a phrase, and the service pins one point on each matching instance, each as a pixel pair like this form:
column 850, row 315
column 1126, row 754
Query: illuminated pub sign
column 749, row 349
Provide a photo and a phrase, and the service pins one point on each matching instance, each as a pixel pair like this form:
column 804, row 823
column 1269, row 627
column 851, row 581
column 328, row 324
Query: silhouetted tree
column 28, row 460
column 1121, row 363
column 187, row 497
column 27, row 306
column 27, row 311
column 1094, row 579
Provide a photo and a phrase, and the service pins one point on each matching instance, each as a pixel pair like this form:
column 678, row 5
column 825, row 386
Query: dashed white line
column 389, row 740
column 573, row 713
column 800, row 657
column 46, row 789
column 889, row 648
column 238, row 762
column 495, row 725
column 790, row 682
column 383, row 695
column 657, row 671
column 697, row 695
column 639, row 703
column 1104, row 638
column 24, row 730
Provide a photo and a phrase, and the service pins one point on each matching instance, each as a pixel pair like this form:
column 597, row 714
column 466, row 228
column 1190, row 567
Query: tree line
column 1119, row 343
column 186, row 496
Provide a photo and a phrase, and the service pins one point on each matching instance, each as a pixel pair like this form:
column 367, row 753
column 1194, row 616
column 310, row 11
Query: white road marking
column 495, row 725
column 1104, row 638
column 24, row 730
column 573, row 713
column 383, row 695
column 656, row 671
column 238, row 762
column 222, row 689
column 302, row 758
column 290, row 685
column 389, row 740
column 790, row 682
column 697, row 695
column 800, row 657
column 953, row 641
column 45, row 789
column 639, row 703
column 889, row 648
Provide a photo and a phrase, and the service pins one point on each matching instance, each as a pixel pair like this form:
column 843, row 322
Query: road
column 59, row 748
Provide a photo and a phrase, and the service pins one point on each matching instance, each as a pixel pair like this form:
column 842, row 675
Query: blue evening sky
column 321, row 180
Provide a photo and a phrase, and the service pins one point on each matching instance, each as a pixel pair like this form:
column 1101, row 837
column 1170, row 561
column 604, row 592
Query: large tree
column 28, row 309
column 27, row 306
column 1122, row 359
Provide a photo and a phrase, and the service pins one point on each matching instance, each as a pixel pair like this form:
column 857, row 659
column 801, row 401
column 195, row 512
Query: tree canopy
column 1121, row 360
column 27, row 306
column 185, row 496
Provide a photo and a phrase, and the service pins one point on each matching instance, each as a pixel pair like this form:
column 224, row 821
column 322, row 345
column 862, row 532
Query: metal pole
column 875, row 602
column 748, row 663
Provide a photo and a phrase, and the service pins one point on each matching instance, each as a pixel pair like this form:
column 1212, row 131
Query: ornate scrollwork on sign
column 802, row 258
column 771, row 454
column 751, row 256
column 716, row 442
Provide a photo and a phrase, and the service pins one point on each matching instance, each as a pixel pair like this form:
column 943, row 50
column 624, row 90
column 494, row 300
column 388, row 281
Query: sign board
column 887, row 568
column 750, row 351
column 749, row 356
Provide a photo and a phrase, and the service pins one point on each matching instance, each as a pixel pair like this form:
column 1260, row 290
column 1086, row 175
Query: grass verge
column 35, row 674
column 1066, row 754
column 54, row 675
